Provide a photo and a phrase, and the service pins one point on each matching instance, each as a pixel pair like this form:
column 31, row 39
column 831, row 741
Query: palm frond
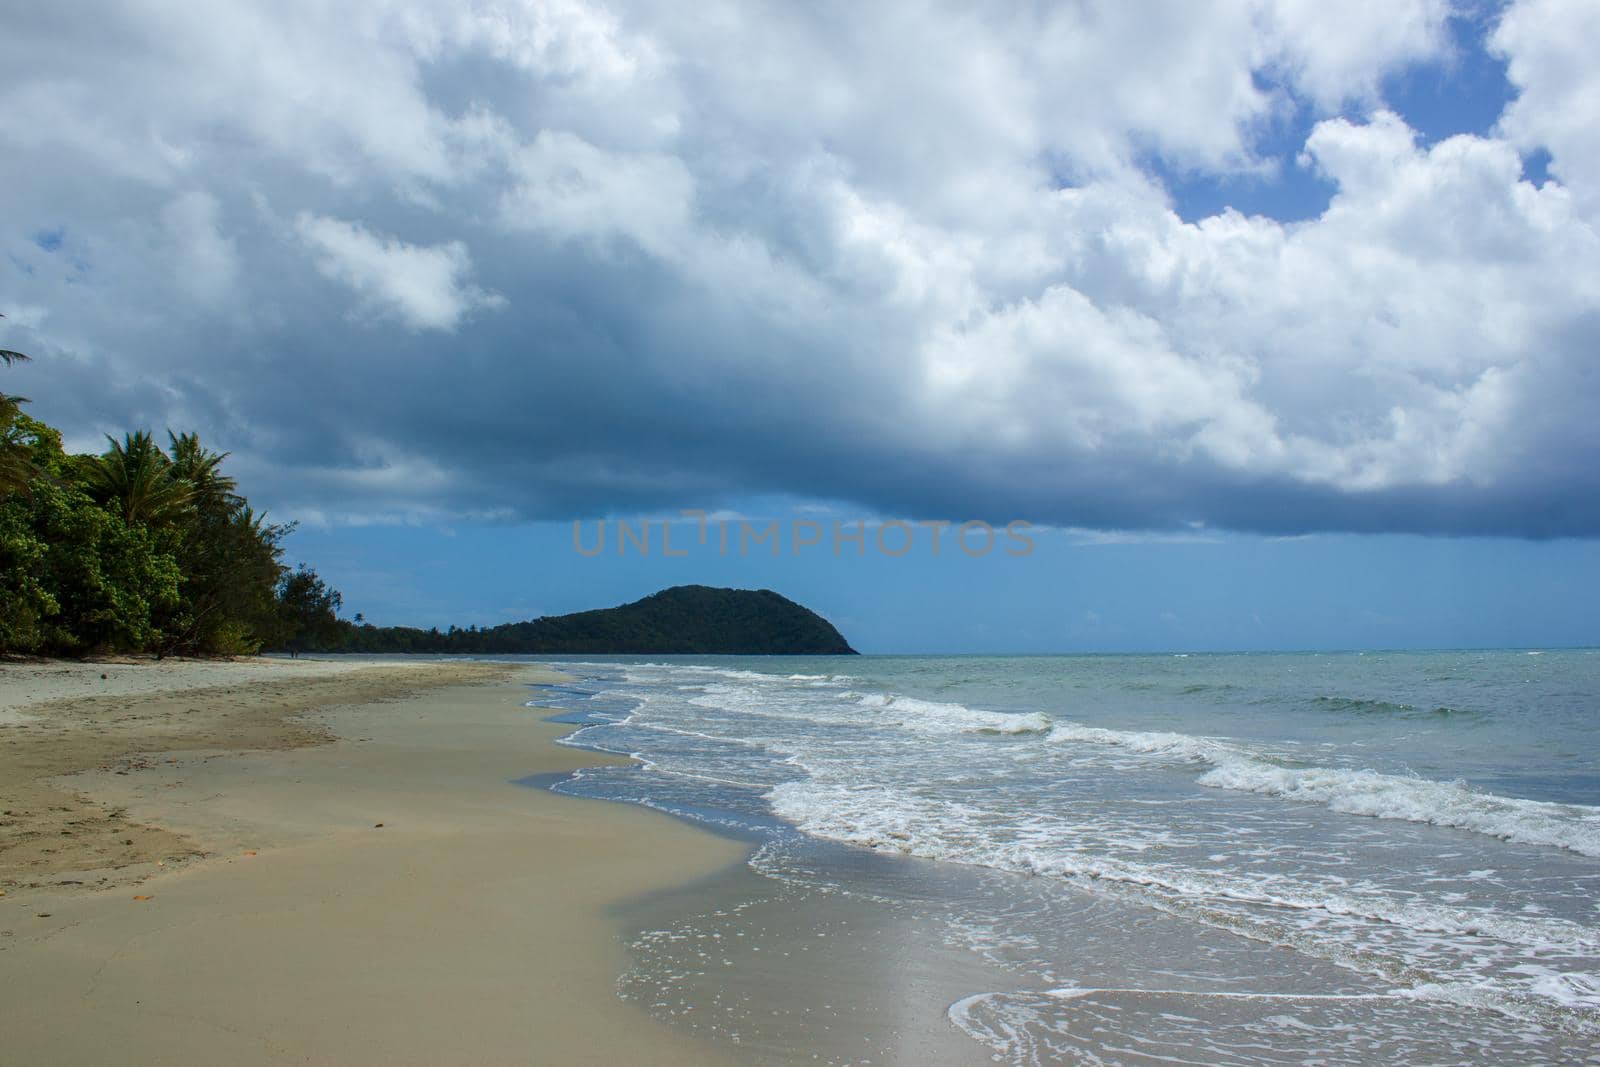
column 8, row 357
column 137, row 477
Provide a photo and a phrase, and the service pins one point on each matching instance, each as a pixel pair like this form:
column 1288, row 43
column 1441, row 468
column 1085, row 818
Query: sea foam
column 1352, row 791
column 935, row 717
column 1389, row 796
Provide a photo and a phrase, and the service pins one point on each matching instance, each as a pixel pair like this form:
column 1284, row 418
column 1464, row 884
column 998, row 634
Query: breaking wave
column 933, row 717
column 1456, row 805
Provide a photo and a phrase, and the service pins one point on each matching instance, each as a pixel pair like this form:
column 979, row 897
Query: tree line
column 141, row 548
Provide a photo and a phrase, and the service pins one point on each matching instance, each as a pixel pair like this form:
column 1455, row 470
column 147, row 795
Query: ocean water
column 1254, row 859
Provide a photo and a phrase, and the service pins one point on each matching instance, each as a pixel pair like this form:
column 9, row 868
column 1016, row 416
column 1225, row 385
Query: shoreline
column 361, row 880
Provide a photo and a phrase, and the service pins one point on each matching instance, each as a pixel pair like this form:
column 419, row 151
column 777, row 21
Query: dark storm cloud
column 552, row 260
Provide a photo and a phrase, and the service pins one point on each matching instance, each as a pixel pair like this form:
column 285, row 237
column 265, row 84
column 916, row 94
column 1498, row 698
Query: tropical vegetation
column 140, row 548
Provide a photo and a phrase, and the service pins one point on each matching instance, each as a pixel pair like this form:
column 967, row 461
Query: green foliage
column 229, row 557
column 102, row 580
column 232, row 638
column 133, row 550
column 137, row 480
column 685, row 618
column 33, row 450
column 309, row 611
column 15, row 471
column 25, row 600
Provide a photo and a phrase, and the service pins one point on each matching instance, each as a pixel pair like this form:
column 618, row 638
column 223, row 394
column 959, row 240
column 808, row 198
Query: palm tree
column 9, row 357
column 137, row 478
column 16, row 470
column 201, row 469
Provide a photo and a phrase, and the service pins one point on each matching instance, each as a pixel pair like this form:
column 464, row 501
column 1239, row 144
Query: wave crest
column 1456, row 805
column 933, row 717
column 1390, row 796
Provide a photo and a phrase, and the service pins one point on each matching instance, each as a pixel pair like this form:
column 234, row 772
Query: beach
column 911, row 860
column 277, row 861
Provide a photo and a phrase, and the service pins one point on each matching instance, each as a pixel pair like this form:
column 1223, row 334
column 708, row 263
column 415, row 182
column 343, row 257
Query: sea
column 1332, row 858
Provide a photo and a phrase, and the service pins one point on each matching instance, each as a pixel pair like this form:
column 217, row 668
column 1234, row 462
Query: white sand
column 472, row 927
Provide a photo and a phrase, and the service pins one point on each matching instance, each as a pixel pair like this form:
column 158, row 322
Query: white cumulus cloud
column 422, row 286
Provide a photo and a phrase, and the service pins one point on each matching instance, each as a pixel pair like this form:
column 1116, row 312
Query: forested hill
column 685, row 618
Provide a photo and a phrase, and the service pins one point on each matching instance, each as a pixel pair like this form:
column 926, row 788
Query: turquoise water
column 1211, row 858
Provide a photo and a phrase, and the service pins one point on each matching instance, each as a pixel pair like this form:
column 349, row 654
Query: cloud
column 523, row 259
column 1544, row 43
column 206, row 259
column 422, row 287
column 568, row 189
column 1334, row 54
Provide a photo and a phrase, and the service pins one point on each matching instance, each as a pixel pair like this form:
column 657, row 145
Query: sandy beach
column 310, row 861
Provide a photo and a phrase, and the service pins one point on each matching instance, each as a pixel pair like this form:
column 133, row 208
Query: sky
column 1276, row 321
